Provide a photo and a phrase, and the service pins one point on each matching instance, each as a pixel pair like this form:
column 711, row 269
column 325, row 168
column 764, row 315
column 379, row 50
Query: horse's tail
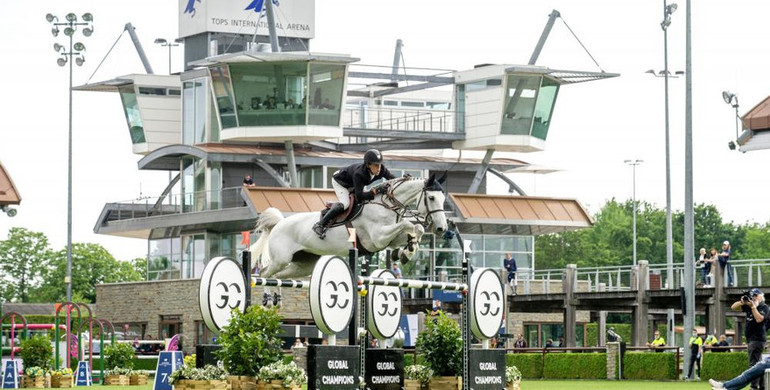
column 267, row 220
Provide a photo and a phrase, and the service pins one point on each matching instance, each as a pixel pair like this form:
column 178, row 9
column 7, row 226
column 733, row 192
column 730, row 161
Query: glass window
column 390, row 103
column 460, row 95
column 483, row 84
column 215, row 187
column 188, row 115
column 438, row 105
column 200, row 111
column 152, row 91
column 270, row 94
column 163, row 259
column 193, row 256
column 325, row 94
column 413, row 104
column 223, row 94
column 133, row 115
column 520, row 104
column 311, row 177
column 213, row 122
column 174, row 92
column 546, row 99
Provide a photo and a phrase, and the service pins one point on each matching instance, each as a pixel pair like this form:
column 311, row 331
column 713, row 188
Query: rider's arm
column 384, row 172
column 359, row 181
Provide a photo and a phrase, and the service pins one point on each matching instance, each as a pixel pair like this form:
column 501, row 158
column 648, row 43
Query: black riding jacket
column 356, row 176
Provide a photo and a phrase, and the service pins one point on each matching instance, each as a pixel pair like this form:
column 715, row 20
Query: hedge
column 144, row 364
column 723, row 365
column 650, row 366
column 530, row 364
column 575, row 366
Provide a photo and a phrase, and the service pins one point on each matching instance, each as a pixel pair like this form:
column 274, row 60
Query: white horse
column 289, row 248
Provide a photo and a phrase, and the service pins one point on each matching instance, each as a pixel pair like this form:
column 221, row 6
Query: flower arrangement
column 290, row 374
column 441, row 344
column 418, row 372
column 62, row 372
column 512, row 374
column 207, row 373
column 35, row 372
column 119, row 371
column 189, row 360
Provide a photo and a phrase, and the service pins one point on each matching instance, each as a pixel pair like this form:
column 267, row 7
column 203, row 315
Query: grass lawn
column 611, row 385
column 549, row 385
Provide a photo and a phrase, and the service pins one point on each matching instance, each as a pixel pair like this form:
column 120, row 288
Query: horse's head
column 432, row 205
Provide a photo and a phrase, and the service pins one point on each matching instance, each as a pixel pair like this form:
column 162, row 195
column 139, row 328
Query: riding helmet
column 373, row 156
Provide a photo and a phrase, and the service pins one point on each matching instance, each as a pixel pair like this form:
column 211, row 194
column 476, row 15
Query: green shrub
column 575, row 366
column 530, row 364
column 649, row 366
column 723, row 365
column 36, row 352
column 251, row 340
column 145, row 364
column 119, row 355
column 442, row 345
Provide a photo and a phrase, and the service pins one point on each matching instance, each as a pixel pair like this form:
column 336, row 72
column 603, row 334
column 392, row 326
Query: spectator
column 702, row 264
column 724, row 260
column 248, row 181
column 436, row 307
column 722, row 343
column 756, row 311
column 710, row 341
column 399, row 275
column 657, row 342
column 612, row 336
column 520, row 342
column 753, row 374
column 297, row 344
column 549, row 343
column 510, row 265
column 696, row 349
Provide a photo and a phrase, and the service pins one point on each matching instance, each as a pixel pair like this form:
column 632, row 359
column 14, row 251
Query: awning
column 505, row 214
column 8, row 192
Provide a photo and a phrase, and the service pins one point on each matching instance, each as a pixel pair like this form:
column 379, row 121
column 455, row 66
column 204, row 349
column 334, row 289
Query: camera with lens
column 746, row 296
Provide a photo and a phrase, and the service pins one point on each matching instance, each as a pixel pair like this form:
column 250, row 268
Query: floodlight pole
column 669, row 226
column 689, row 223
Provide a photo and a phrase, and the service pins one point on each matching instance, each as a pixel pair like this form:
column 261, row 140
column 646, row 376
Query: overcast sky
column 595, row 125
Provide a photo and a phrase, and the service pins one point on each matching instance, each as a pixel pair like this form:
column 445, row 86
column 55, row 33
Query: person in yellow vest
column 657, row 342
column 710, row 341
column 696, row 349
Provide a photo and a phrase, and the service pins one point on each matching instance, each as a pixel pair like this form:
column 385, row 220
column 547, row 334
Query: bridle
column 403, row 210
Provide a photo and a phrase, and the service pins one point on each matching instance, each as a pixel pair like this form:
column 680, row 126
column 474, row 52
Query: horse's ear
column 430, row 180
column 442, row 179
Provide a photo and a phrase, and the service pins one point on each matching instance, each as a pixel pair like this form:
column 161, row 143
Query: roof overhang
column 561, row 76
column 167, row 158
column 254, row 56
column 113, row 85
column 8, row 192
column 502, row 214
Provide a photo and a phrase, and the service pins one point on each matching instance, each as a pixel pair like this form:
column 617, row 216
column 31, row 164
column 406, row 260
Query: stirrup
column 320, row 230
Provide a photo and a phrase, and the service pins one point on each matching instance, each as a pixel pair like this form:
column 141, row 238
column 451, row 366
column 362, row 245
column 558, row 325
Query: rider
column 353, row 179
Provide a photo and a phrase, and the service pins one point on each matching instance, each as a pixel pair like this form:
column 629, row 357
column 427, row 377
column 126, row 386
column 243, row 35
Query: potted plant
column 117, row 376
column 36, row 377
column 62, row 378
column 120, row 356
column 136, row 378
column 37, row 355
column 512, row 378
column 441, row 345
column 417, row 377
column 280, row 375
column 249, row 342
column 206, row 378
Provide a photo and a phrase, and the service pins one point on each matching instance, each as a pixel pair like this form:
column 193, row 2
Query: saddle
column 353, row 211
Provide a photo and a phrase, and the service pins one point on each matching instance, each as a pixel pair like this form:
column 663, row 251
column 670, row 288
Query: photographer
column 753, row 304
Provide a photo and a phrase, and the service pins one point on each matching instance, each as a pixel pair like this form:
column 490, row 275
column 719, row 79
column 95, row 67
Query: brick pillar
column 613, row 351
column 716, row 319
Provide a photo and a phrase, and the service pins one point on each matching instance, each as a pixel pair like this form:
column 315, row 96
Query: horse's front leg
column 389, row 235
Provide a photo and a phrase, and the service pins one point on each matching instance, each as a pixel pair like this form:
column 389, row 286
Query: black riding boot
column 320, row 227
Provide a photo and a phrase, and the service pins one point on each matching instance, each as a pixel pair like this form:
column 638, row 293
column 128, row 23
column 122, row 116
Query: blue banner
column 83, row 374
column 11, row 374
column 448, row 296
column 168, row 362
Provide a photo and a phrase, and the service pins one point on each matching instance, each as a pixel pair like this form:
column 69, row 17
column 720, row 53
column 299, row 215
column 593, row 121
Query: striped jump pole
column 411, row 283
column 291, row 283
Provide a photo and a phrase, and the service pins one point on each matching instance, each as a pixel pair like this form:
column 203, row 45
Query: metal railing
column 746, row 273
column 404, row 119
column 149, row 206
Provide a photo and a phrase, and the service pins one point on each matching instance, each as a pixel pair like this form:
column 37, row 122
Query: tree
column 22, row 257
column 140, row 266
column 91, row 265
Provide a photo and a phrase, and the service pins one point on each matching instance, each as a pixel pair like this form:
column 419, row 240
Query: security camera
column 9, row 211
